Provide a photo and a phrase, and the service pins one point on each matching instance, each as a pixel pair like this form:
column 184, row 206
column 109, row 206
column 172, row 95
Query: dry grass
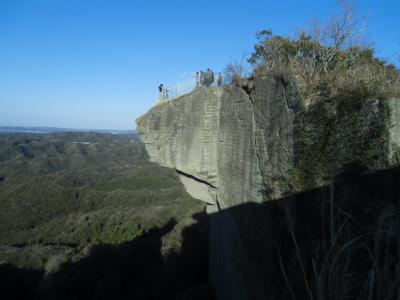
column 343, row 265
column 328, row 59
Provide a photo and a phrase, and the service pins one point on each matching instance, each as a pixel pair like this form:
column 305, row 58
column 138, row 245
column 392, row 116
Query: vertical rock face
column 183, row 134
column 256, row 139
column 249, row 143
column 229, row 146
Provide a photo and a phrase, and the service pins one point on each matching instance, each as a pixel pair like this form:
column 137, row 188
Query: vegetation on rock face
column 344, row 124
column 340, row 136
column 342, row 130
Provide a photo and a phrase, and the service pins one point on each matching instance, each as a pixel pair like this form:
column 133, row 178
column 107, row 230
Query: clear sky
column 97, row 64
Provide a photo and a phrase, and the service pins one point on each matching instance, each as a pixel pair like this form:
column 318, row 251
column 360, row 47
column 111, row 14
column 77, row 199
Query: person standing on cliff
column 209, row 78
column 219, row 80
column 202, row 78
column 166, row 95
column 161, row 90
column 197, row 79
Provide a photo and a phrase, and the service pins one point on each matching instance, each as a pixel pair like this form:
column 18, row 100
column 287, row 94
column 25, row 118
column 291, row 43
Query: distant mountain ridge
column 9, row 129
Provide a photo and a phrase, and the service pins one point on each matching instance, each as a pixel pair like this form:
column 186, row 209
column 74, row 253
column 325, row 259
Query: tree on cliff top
column 330, row 58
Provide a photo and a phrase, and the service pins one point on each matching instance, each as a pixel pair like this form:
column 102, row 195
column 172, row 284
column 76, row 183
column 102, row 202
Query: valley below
column 86, row 215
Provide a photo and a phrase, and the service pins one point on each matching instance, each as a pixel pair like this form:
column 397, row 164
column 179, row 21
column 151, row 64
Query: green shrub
column 329, row 60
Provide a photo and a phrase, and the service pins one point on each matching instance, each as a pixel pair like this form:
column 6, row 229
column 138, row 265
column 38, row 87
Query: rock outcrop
column 258, row 141
column 183, row 134
column 226, row 140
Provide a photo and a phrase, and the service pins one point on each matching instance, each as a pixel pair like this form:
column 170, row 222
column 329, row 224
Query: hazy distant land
column 39, row 129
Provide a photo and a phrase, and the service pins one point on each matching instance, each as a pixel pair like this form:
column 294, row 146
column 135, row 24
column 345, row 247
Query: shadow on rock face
column 325, row 243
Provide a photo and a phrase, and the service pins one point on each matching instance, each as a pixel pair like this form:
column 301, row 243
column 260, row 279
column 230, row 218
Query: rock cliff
column 257, row 141
column 183, row 134
column 225, row 145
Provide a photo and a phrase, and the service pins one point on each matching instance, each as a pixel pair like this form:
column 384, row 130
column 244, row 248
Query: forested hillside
column 63, row 193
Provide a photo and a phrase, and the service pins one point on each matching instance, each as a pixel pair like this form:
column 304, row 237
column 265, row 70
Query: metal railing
column 190, row 82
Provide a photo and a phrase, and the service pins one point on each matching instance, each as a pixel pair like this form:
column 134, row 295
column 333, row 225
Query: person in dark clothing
column 211, row 77
column 161, row 90
column 207, row 78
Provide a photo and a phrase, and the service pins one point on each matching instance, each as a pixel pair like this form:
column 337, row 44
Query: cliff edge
column 259, row 140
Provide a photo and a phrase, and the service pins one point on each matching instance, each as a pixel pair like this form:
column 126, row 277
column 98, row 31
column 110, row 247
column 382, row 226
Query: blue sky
column 97, row 64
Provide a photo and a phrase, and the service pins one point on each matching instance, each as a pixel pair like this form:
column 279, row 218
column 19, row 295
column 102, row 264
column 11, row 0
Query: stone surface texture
column 231, row 146
column 183, row 134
